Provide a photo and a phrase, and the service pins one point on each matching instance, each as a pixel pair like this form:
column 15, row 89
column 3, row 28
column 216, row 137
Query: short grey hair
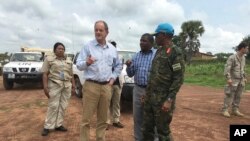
column 105, row 24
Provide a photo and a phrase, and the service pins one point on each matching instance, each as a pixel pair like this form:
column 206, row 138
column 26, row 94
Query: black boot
column 45, row 132
column 61, row 128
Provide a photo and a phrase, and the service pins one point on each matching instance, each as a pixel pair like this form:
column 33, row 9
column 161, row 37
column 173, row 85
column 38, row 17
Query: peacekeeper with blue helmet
column 165, row 80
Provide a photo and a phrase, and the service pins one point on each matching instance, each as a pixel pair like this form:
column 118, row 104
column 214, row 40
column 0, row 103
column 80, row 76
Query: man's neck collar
column 101, row 43
column 240, row 54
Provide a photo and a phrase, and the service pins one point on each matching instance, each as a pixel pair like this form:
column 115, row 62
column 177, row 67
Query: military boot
column 237, row 113
column 226, row 114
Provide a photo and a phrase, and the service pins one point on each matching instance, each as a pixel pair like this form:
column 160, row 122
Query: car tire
column 78, row 87
column 8, row 84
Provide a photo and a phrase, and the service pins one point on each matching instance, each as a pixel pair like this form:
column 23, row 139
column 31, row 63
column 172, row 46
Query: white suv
column 23, row 67
column 78, row 76
column 126, row 81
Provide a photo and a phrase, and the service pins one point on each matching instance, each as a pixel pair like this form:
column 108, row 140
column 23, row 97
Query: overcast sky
column 41, row 23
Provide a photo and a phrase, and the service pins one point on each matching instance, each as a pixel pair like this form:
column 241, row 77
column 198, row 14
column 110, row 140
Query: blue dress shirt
column 106, row 58
column 141, row 65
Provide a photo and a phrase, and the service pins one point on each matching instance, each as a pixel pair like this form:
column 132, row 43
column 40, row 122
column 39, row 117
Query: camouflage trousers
column 155, row 117
column 232, row 97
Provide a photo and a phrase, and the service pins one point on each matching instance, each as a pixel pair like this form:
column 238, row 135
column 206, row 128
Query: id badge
column 62, row 75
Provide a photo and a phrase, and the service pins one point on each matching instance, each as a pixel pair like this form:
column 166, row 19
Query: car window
column 71, row 56
column 77, row 54
column 26, row 57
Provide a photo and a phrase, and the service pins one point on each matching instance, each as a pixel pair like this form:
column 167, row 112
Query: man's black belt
column 97, row 82
column 142, row 86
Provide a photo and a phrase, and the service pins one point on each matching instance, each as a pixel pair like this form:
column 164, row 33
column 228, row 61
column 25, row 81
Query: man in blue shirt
column 97, row 58
column 139, row 67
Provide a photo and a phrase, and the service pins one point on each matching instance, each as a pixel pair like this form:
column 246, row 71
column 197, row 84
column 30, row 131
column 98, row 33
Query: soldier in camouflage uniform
column 165, row 80
column 58, row 82
column 236, row 79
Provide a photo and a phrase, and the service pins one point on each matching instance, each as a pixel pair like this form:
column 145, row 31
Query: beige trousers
column 114, row 110
column 58, row 101
column 96, row 97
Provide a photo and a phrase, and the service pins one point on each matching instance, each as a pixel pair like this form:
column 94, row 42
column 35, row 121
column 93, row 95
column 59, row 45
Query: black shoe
column 45, row 132
column 118, row 125
column 61, row 128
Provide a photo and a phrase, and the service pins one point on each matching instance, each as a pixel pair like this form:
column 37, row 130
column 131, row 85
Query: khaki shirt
column 235, row 69
column 60, row 71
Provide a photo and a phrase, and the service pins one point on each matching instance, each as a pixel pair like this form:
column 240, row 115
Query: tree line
column 4, row 57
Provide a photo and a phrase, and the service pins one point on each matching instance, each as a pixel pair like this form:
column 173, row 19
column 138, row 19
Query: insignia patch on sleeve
column 176, row 66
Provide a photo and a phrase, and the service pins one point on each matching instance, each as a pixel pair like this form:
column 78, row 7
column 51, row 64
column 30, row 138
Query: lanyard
column 61, row 70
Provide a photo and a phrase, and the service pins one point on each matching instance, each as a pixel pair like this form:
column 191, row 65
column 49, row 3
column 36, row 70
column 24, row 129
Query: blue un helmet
column 164, row 28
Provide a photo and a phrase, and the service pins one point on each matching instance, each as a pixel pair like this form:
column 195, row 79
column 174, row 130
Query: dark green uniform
column 166, row 78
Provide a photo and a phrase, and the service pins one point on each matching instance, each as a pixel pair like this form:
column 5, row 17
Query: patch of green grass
column 208, row 73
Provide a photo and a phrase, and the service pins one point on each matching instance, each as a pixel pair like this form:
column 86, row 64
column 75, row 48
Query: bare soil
column 197, row 116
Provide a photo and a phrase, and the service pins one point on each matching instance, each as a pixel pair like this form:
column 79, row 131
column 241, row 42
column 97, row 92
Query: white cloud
column 84, row 25
column 217, row 40
column 31, row 42
column 199, row 15
column 163, row 11
column 62, row 39
column 41, row 9
column 42, row 23
column 14, row 38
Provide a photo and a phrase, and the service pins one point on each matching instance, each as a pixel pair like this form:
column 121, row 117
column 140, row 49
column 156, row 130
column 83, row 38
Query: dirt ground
column 196, row 118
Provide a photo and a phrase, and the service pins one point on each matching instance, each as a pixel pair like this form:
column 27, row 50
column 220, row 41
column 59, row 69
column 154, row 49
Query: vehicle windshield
column 71, row 56
column 24, row 57
column 126, row 55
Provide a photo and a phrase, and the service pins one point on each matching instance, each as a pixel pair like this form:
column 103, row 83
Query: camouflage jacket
column 235, row 69
column 167, row 72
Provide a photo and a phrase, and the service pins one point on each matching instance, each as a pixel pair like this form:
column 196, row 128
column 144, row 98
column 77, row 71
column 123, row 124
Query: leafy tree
column 4, row 57
column 247, row 40
column 222, row 56
column 209, row 53
column 188, row 38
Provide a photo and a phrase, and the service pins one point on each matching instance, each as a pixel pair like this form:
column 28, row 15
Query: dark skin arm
column 45, row 84
column 166, row 106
